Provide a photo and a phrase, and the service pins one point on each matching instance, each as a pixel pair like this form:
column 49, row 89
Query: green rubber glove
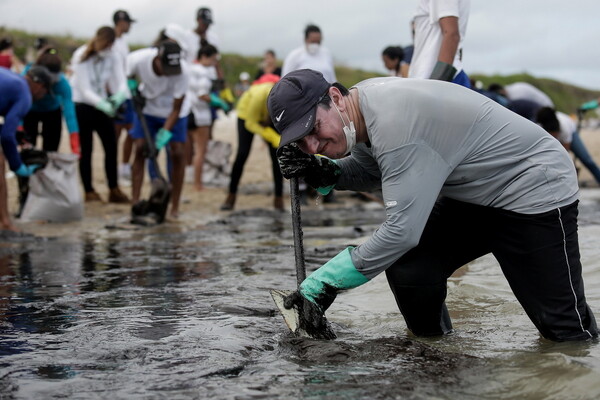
column 106, row 107
column 339, row 273
column 589, row 105
column 216, row 101
column 162, row 138
column 117, row 99
column 443, row 72
column 132, row 84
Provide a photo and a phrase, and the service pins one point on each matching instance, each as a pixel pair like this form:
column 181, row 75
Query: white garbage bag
column 217, row 168
column 54, row 192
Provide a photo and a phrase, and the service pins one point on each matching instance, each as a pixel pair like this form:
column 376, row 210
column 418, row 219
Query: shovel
column 293, row 317
column 151, row 211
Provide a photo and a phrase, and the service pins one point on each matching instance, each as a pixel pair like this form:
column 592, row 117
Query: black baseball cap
column 293, row 103
column 122, row 15
column 205, row 15
column 41, row 74
column 170, row 57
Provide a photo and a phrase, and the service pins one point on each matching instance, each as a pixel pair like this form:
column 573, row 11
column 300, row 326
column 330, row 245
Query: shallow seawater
column 167, row 313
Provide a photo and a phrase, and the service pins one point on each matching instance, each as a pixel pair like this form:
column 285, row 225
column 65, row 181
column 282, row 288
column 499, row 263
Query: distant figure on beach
column 563, row 128
column 312, row 54
column 392, row 57
column 162, row 78
column 268, row 65
column 440, row 27
column 202, row 74
column 96, row 68
column 8, row 58
column 124, row 118
column 254, row 119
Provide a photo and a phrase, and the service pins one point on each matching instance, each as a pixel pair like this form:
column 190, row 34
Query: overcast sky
column 546, row 38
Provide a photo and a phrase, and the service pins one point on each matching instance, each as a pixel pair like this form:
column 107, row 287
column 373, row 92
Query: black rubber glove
column 318, row 172
column 443, row 72
column 311, row 319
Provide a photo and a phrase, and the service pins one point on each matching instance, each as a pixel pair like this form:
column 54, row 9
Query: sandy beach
column 200, row 206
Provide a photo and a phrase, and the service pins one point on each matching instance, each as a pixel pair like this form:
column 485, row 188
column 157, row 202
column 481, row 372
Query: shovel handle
column 297, row 230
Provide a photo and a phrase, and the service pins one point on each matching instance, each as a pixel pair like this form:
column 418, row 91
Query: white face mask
column 104, row 53
column 312, row 48
column 349, row 131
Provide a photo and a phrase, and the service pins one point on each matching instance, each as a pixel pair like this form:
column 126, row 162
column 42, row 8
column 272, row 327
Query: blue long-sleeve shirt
column 58, row 96
column 15, row 101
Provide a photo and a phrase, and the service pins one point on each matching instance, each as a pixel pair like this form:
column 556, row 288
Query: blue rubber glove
column 25, row 171
column 106, row 107
column 321, row 287
column 216, row 101
column 162, row 138
column 589, row 105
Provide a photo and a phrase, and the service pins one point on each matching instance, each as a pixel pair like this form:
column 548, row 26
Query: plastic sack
column 54, row 192
column 217, row 169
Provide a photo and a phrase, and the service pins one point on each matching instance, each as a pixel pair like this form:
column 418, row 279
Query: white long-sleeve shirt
column 429, row 138
column 91, row 77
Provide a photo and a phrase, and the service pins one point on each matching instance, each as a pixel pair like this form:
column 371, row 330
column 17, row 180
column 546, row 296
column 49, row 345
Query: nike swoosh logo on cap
column 278, row 118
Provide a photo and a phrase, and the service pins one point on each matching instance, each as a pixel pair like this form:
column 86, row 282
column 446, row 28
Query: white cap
column 244, row 76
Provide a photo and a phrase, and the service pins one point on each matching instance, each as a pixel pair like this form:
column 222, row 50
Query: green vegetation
column 566, row 97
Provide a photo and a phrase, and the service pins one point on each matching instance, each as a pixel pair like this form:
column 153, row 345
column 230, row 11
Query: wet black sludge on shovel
column 300, row 322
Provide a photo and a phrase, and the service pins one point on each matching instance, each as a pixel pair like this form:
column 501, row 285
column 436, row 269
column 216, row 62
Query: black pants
column 538, row 254
column 90, row 119
column 245, row 138
column 51, row 128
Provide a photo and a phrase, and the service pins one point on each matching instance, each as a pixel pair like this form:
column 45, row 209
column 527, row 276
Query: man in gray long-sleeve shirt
column 461, row 177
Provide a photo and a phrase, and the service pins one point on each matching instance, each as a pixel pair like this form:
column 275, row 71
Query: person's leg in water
column 580, row 151
column 245, row 138
column 106, row 132
column 451, row 238
column 5, row 221
column 200, row 140
column 139, row 146
column 539, row 255
column 177, row 147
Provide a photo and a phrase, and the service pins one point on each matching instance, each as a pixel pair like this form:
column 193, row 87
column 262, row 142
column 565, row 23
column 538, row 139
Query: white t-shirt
column 428, row 34
column 159, row 91
column 526, row 91
column 189, row 40
column 201, row 78
column 91, row 77
column 567, row 127
column 321, row 61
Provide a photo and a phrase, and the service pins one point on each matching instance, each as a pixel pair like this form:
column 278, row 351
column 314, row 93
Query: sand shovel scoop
column 294, row 317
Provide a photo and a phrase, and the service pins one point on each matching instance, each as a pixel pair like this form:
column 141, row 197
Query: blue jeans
column 580, row 151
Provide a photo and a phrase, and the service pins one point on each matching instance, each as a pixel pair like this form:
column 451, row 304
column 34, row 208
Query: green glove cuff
column 118, row 98
column 590, row 105
column 106, row 107
column 132, row 84
column 443, row 72
column 324, row 191
column 339, row 273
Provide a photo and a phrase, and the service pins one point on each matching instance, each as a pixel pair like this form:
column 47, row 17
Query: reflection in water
column 165, row 313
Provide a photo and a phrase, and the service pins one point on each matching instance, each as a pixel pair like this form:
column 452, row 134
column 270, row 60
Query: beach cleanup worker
column 461, row 177
column 96, row 68
column 46, row 114
column 18, row 92
column 563, row 128
column 162, row 79
column 253, row 119
column 439, row 31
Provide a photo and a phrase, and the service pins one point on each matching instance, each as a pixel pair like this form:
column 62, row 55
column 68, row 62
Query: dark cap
column 293, row 103
column 205, row 15
column 122, row 15
column 169, row 53
column 41, row 74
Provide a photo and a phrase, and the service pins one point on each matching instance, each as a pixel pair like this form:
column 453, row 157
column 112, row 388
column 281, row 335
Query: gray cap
column 293, row 103
column 41, row 74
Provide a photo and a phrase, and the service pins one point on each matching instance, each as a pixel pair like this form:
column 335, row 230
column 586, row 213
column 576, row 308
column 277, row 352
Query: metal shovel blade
column 294, row 321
